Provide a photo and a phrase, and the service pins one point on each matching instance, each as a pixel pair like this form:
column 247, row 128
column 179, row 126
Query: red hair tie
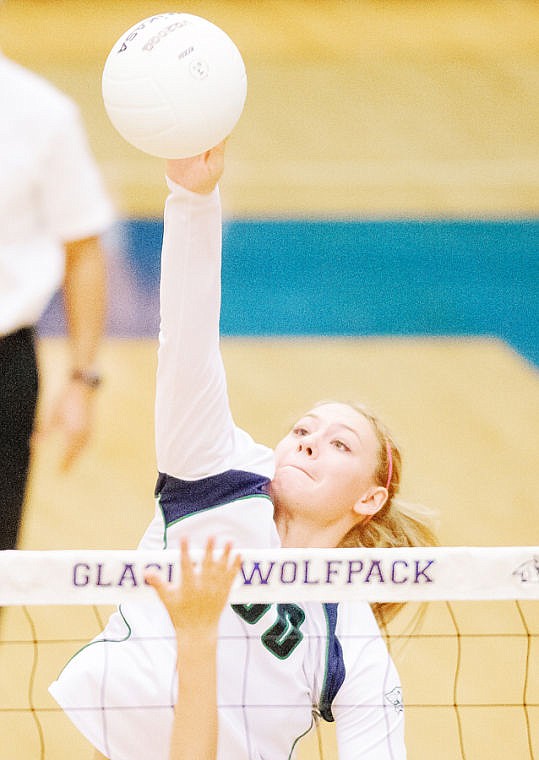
column 389, row 464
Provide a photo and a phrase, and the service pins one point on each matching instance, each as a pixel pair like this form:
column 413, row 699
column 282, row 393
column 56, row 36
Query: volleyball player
column 331, row 482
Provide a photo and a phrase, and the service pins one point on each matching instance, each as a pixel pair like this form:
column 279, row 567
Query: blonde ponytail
column 398, row 523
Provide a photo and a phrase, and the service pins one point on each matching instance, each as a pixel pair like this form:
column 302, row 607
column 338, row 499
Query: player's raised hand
column 200, row 174
column 196, row 604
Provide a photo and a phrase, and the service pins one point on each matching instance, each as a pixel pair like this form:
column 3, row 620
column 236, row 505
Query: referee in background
column 53, row 208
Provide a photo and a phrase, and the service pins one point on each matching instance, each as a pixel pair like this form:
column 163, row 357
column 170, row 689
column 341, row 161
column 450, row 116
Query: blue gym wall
column 353, row 278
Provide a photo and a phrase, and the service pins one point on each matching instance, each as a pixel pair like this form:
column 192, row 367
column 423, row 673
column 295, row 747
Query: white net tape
column 323, row 575
column 469, row 671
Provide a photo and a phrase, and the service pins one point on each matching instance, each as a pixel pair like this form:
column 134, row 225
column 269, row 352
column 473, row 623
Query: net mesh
column 469, row 670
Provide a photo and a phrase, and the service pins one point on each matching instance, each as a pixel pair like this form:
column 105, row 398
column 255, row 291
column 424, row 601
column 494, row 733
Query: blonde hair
column 397, row 523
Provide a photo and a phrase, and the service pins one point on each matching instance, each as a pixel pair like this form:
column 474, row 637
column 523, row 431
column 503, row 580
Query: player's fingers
column 216, row 156
column 221, row 564
column 230, row 560
column 74, row 446
column 231, row 571
column 219, row 149
column 208, row 561
column 225, row 556
column 186, row 566
column 216, row 153
column 224, row 561
column 153, row 580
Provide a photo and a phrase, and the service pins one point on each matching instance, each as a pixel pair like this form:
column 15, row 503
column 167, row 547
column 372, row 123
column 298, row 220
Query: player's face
column 325, row 467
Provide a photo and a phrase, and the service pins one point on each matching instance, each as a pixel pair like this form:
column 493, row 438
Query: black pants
column 18, row 397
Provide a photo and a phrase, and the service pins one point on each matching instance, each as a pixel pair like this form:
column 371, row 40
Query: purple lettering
column 263, row 579
column 354, row 566
column 99, row 580
column 153, row 566
column 129, row 575
column 423, row 571
column 332, row 570
column 306, row 578
column 78, row 579
column 293, row 574
column 376, row 571
column 393, row 569
column 168, row 568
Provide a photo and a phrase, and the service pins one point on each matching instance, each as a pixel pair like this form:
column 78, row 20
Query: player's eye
column 300, row 431
column 341, row 445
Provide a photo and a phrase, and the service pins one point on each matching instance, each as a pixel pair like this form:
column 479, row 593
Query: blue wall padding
column 401, row 277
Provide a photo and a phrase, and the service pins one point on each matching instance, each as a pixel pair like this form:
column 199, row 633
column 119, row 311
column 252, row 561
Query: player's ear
column 371, row 501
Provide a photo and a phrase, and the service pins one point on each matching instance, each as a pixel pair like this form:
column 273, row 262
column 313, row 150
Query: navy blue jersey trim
column 180, row 498
column 335, row 669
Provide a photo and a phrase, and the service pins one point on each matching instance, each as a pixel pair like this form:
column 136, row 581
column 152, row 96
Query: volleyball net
column 469, row 665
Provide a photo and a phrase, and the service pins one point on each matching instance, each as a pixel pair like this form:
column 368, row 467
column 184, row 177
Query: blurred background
column 367, row 108
column 381, row 243
column 400, row 115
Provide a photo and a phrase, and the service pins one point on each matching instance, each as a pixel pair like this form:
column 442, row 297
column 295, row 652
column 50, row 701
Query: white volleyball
column 174, row 85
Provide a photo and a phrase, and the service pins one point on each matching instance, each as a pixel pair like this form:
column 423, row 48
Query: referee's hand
column 71, row 418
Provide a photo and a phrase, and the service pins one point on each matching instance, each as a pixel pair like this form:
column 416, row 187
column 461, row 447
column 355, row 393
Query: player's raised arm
column 194, row 428
column 195, row 607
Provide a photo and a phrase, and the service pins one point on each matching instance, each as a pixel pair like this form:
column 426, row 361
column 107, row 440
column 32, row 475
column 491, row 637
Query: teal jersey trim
column 299, row 738
column 101, row 641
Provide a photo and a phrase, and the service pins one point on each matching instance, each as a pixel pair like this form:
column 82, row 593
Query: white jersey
column 278, row 665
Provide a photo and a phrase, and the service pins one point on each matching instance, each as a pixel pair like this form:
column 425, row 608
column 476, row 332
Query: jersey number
column 284, row 635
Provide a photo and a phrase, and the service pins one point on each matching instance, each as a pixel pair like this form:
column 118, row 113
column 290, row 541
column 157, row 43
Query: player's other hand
column 196, row 604
column 200, row 174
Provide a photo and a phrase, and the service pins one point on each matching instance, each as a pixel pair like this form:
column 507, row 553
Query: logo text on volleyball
column 335, row 571
column 162, row 33
column 134, row 32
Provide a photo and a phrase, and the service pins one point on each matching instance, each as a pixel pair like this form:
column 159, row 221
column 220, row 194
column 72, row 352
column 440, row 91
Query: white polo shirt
column 51, row 192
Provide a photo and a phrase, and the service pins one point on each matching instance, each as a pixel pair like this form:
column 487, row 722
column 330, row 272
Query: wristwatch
column 88, row 377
